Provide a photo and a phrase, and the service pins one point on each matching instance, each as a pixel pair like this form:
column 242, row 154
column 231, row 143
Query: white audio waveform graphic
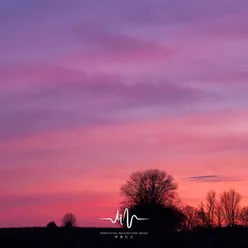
column 120, row 218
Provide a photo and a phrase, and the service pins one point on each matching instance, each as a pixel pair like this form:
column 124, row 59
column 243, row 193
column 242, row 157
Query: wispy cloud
column 211, row 178
column 83, row 99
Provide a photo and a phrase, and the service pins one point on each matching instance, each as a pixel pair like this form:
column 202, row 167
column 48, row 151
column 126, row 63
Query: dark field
column 92, row 237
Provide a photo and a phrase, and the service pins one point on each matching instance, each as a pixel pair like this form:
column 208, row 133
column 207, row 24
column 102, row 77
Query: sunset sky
column 93, row 90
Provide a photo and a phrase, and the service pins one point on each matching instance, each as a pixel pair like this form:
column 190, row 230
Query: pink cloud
column 199, row 142
column 70, row 98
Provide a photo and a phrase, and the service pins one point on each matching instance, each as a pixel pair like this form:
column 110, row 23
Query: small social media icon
column 126, row 237
column 121, row 236
column 131, row 237
column 116, row 236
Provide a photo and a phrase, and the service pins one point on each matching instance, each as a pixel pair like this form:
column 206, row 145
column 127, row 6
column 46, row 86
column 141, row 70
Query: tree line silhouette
column 153, row 194
column 218, row 221
column 68, row 221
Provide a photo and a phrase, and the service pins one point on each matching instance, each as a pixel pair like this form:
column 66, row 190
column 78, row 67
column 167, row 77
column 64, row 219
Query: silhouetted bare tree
column 202, row 217
column 219, row 214
column 205, row 216
column 244, row 216
column 69, row 220
column 190, row 217
column 214, row 212
column 152, row 194
column 230, row 202
column 211, row 202
column 149, row 187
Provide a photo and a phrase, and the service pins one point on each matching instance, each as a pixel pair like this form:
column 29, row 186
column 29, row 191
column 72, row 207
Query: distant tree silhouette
column 244, row 216
column 224, row 211
column 190, row 220
column 205, row 213
column 52, row 224
column 219, row 214
column 211, row 203
column 202, row 216
column 69, row 220
column 149, row 187
column 230, row 201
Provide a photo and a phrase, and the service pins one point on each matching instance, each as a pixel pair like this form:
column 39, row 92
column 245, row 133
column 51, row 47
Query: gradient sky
column 91, row 91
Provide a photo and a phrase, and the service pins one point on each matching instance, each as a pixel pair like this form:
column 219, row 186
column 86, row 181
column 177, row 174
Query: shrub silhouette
column 52, row 224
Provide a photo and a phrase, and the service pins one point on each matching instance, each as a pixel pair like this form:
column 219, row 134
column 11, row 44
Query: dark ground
column 92, row 237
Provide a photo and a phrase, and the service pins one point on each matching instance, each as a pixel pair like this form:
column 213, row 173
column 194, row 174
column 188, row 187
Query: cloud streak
column 83, row 99
column 211, row 179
